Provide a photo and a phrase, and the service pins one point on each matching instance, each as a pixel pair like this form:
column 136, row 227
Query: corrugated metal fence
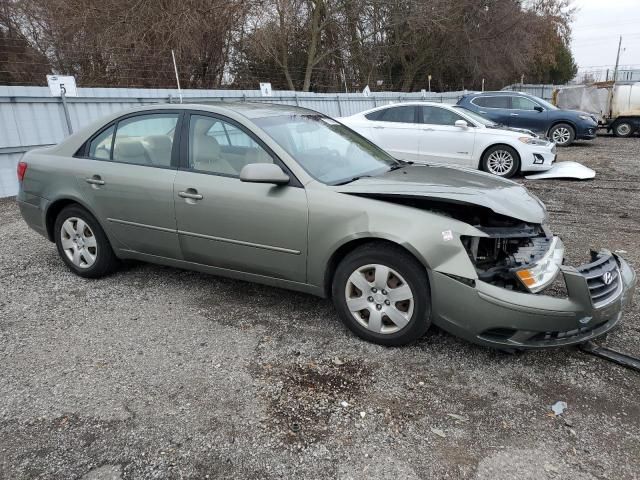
column 539, row 90
column 30, row 117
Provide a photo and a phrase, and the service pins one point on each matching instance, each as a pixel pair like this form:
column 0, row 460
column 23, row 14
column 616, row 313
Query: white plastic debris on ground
column 559, row 407
column 565, row 170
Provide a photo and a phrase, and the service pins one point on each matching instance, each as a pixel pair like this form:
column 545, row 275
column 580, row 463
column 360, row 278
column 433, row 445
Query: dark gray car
column 291, row 198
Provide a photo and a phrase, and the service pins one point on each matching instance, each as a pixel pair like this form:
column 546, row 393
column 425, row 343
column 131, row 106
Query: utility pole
column 615, row 70
column 615, row 78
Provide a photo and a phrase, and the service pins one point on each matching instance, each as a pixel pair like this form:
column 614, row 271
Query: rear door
column 127, row 172
column 494, row 107
column 397, row 130
column 524, row 115
column 226, row 223
column 441, row 140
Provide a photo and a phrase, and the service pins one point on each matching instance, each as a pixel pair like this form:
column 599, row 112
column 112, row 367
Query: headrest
column 129, row 148
column 158, row 142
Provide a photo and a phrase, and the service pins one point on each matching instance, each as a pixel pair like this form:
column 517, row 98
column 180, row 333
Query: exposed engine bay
column 511, row 245
column 506, row 250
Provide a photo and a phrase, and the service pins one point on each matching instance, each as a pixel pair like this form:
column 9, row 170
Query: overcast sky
column 596, row 28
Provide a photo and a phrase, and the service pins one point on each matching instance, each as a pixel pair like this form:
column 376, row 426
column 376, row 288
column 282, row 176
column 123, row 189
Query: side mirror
column 538, row 108
column 461, row 124
column 264, row 173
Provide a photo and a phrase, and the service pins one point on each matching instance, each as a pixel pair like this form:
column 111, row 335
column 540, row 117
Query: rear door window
column 501, row 101
column 403, row 114
column 145, row 139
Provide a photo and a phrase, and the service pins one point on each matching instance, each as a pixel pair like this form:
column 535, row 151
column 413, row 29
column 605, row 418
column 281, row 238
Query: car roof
column 251, row 109
column 404, row 104
column 500, row 92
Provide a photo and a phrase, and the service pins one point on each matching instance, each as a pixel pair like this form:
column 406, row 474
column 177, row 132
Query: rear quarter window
column 100, row 146
column 492, row 102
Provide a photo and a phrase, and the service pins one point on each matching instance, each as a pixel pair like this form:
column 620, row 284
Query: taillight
column 22, row 169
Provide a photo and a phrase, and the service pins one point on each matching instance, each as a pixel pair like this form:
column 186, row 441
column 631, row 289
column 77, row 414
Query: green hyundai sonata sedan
column 291, row 198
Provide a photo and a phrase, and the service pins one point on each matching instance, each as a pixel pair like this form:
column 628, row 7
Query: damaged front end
column 524, row 297
column 523, row 257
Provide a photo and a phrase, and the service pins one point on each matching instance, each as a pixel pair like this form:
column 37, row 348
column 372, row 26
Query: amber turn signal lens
column 526, row 277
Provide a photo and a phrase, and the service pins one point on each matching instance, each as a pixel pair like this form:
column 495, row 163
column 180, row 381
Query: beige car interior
column 206, row 153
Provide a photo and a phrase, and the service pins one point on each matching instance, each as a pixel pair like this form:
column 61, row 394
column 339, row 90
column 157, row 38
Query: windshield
column 330, row 152
column 477, row 117
column 545, row 104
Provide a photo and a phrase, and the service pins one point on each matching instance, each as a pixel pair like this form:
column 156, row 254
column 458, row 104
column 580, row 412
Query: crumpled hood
column 460, row 185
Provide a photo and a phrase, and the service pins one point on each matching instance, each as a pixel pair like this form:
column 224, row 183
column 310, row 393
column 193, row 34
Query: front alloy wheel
column 501, row 160
column 381, row 293
column 562, row 134
column 379, row 298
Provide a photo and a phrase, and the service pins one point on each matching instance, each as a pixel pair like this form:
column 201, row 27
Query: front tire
column 562, row 134
column 623, row 129
column 82, row 244
column 382, row 294
column 501, row 160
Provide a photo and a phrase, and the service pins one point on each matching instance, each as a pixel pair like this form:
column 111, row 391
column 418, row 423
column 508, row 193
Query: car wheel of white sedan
column 382, row 294
column 501, row 160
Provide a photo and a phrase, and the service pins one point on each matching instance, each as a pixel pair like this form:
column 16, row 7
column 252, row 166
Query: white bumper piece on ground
column 565, row 170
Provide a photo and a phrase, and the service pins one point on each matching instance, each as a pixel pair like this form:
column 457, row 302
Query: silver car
column 291, row 198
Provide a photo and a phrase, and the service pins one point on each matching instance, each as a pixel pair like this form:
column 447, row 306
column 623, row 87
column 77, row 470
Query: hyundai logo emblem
column 607, row 278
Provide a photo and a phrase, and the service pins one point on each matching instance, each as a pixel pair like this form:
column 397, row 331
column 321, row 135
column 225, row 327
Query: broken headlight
column 542, row 273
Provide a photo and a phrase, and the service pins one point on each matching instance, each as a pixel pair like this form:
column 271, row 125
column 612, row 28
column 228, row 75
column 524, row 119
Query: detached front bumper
column 501, row 318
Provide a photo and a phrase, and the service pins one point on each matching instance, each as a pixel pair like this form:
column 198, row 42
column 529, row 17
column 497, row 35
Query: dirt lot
column 162, row 373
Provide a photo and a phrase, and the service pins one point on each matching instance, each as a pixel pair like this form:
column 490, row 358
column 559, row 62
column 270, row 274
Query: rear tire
column 82, row 244
column 382, row 294
column 501, row 161
column 562, row 134
column 623, row 129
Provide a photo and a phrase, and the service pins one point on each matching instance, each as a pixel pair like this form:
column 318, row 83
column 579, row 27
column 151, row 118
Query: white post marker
column 58, row 83
column 63, row 86
column 265, row 89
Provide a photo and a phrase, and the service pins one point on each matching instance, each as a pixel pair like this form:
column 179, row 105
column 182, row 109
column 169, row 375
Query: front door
column 226, row 223
column 442, row 141
column 523, row 114
column 128, row 181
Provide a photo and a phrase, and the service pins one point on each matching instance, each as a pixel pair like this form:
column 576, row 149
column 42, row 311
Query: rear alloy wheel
column 82, row 244
column 562, row 134
column 501, row 160
column 382, row 294
column 623, row 129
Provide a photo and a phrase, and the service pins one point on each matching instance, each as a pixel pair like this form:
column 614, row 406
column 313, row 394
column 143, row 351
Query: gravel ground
column 161, row 373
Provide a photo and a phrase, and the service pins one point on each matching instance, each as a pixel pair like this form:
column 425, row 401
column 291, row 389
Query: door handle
column 514, row 114
column 377, row 126
column 95, row 180
column 427, row 129
column 192, row 195
column 481, row 111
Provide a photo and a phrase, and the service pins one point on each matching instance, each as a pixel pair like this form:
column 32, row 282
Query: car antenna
column 175, row 68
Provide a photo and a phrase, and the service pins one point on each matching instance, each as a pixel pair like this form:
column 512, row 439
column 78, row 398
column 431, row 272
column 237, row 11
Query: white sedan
column 438, row 133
